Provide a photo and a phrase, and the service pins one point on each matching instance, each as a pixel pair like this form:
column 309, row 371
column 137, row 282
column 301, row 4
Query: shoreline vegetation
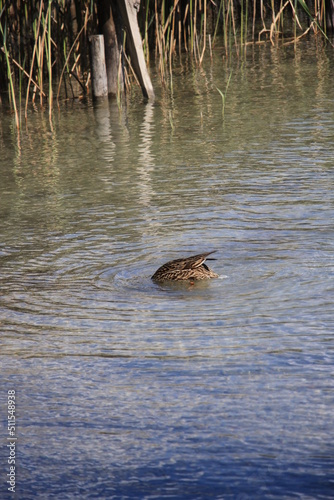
column 44, row 45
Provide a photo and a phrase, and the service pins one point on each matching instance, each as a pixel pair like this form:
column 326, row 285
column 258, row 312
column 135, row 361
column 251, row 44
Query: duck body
column 190, row 268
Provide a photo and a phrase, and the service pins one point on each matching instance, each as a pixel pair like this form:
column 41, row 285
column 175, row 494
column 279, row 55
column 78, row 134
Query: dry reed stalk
column 273, row 26
column 191, row 26
column 256, row 42
column 180, row 28
column 204, row 35
column 165, row 41
column 33, row 59
column 171, row 14
column 41, row 45
column 172, row 40
column 225, row 24
column 273, row 12
column 234, row 28
column 184, row 27
column 162, row 58
column 295, row 14
column 312, row 25
column 9, row 73
column 196, row 48
column 24, row 72
column 75, row 63
column 158, row 39
column 254, row 19
column 217, row 22
column 145, row 44
column 39, row 57
column 131, row 68
column 246, row 22
column 194, row 29
column 320, row 9
column 120, row 75
column 262, row 17
column 295, row 39
column 49, row 62
column 87, row 18
column 167, row 36
column 156, row 25
column 127, row 80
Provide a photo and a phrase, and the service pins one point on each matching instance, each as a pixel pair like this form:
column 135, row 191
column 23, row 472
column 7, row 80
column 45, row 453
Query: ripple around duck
column 137, row 281
column 129, row 279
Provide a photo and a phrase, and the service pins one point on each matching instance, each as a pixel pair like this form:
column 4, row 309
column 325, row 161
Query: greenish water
column 128, row 389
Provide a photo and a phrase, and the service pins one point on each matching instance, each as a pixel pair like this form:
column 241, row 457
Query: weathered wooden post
column 110, row 26
column 114, row 14
column 129, row 10
column 98, row 66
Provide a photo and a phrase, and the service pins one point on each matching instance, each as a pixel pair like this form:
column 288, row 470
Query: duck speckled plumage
column 190, row 268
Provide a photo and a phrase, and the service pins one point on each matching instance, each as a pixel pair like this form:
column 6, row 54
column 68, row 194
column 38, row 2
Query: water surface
column 129, row 389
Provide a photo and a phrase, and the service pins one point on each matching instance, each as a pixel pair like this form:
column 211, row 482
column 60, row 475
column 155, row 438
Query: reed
column 45, row 42
column 35, row 39
column 147, row 25
column 49, row 61
column 9, row 73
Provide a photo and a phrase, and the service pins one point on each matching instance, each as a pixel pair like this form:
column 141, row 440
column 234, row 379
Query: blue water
column 130, row 389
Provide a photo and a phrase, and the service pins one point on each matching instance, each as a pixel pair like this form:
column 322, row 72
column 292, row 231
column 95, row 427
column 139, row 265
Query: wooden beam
column 128, row 10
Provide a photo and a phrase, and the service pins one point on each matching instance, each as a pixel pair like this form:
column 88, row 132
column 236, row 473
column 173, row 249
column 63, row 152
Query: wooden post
column 98, row 66
column 110, row 26
column 128, row 10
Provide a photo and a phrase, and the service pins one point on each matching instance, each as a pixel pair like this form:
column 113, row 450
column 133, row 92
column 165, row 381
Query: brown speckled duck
column 190, row 268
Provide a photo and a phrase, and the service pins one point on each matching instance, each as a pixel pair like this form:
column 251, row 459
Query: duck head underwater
column 190, row 268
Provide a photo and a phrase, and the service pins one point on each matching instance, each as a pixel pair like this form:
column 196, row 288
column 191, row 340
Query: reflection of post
column 102, row 122
column 128, row 10
column 98, row 65
column 103, row 131
column 145, row 156
column 146, row 159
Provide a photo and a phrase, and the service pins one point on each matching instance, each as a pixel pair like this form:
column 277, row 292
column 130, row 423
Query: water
column 129, row 389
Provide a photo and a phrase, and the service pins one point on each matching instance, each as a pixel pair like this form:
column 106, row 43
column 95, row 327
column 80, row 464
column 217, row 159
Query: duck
column 190, row 268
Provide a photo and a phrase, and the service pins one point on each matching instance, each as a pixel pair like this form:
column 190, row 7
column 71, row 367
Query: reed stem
column 9, row 73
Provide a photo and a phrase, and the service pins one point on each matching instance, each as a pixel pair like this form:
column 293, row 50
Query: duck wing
column 196, row 260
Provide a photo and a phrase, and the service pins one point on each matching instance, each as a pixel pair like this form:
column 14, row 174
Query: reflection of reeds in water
column 46, row 41
column 223, row 94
